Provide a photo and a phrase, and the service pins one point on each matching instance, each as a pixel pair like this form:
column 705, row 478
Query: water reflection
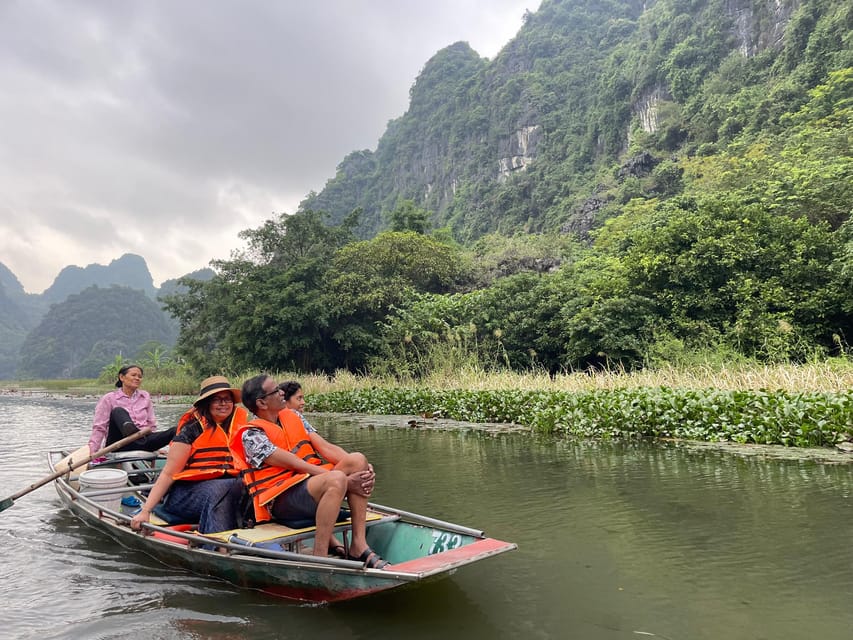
column 616, row 540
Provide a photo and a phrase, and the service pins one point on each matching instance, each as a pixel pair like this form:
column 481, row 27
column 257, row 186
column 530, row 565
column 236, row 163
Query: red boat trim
column 167, row 538
column 442, row 561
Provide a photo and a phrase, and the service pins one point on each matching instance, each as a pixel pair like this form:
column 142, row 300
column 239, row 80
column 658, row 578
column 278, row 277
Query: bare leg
column 328, row 490
column 359, row 475
column 354, row 464
column 358, row 513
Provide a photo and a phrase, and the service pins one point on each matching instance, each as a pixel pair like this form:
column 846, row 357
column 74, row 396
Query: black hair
column 125, row 369
column 252, row 390
column 290, row 388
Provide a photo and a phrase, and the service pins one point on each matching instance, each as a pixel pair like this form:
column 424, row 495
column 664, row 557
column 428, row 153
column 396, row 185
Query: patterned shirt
column 257, row 446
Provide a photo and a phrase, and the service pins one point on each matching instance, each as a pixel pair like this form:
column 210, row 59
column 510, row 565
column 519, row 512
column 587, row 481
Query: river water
column 616, row 541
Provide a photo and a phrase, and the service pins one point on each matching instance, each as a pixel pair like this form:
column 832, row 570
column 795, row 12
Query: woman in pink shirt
column 123, row 412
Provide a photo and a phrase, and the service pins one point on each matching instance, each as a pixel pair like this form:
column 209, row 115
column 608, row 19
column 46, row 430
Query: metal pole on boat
column 8, row 502
column 430, row 522
column 111, row 492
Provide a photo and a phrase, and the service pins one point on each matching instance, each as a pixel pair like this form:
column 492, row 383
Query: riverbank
column 801, row 419
column 821, row 455
column 794, row 406
column 832, row 375
column 841, row 453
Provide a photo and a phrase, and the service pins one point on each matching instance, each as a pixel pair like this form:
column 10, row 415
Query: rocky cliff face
column 646, row 109
column 499, row 144
column 759, row 25
column 519, row 151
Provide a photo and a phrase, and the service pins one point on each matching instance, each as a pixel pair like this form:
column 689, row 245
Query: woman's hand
column 144, row 515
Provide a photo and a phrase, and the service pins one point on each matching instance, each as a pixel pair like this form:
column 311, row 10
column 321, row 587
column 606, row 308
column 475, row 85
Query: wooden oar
column 8, row 502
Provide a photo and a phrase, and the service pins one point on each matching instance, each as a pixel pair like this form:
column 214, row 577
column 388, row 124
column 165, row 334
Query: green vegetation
column 631, row 187
column 806, row 405
column 591, row 84
column 63, row 338
column 688, row 199
column 802, row 420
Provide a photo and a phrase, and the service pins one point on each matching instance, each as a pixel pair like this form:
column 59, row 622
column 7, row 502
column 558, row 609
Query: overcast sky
column 164, row 127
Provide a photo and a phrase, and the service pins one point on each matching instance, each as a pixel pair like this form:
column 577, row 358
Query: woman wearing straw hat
column 199, row 481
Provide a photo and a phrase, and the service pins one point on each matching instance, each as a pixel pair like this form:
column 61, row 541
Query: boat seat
column 275, row 535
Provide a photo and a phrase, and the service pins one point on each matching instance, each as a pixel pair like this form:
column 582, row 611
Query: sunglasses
column 276, row 390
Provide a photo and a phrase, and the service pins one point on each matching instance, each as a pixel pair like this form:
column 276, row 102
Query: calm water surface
column 616, row 541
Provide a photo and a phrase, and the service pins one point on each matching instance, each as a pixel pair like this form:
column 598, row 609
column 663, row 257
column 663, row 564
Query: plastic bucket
column 97, row 479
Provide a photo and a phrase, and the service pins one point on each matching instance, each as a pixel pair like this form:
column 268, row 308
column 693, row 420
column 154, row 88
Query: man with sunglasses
column 294, row 474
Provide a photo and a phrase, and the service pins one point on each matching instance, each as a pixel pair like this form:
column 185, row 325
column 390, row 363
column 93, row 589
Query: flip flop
column 370, row 559
column 338, row 551
column 131, row 501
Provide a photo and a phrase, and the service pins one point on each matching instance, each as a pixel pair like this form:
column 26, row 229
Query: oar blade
column 5, row 503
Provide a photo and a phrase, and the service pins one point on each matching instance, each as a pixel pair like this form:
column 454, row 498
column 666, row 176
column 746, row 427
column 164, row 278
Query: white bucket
column 96, row 479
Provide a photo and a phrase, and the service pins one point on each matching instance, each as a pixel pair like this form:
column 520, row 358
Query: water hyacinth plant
column 806, row 419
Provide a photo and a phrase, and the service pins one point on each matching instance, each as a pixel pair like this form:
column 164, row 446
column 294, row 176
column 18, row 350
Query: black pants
column 122, row 426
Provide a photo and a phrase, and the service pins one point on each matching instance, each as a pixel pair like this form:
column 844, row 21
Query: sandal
column 338, row 551
column 370, row 559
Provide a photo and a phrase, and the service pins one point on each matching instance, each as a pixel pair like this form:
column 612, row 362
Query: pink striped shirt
column 138, row 405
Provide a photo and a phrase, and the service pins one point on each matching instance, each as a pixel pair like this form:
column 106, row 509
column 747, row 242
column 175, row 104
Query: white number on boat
column 444, row 541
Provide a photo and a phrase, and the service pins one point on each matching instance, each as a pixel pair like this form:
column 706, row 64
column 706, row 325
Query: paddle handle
column 73, row 465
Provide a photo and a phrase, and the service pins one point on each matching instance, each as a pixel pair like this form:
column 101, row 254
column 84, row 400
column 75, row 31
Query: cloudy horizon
column 163, row 129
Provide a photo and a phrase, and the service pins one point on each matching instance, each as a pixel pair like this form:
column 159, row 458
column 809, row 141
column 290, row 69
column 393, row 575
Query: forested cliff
column 590, row 97
column 626, row 183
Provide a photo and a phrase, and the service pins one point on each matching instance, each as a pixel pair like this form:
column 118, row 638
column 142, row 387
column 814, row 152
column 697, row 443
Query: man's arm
column 360, row 481
column 260, row 450
column 331, row 452
column 287, row 460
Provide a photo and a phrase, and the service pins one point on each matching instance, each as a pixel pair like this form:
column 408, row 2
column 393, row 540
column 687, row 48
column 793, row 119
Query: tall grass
column 829, row 376
column 833, row 375
column 793, row 405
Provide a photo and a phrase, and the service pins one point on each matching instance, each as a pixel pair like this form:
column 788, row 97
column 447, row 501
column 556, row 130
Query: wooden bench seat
column 281, row 537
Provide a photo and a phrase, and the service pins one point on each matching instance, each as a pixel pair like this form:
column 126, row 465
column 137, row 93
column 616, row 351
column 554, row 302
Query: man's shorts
column 295, row 504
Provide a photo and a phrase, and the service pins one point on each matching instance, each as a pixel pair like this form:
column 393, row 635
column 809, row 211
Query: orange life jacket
column 210, row 456
column 268, row 482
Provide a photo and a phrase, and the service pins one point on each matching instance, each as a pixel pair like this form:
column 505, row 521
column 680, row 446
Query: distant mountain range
column 128, row 271
column 83, row 320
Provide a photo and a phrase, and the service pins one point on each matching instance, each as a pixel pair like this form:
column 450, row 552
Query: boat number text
column 443, row 541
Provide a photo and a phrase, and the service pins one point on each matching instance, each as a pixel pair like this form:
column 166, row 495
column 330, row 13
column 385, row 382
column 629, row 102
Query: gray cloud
column 164, row 128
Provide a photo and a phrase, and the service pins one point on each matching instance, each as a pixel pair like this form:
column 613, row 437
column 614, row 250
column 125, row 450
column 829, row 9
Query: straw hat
column 215, row 384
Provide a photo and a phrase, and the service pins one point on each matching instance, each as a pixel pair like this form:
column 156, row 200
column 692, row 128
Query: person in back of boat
column 294, row 399
column 125, row 411
column 200, row 482
column 293, row 473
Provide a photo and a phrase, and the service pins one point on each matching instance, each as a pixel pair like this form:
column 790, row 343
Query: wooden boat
column 272, row 557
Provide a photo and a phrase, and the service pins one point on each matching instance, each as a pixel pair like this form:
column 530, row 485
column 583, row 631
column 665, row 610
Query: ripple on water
column 614, row 539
